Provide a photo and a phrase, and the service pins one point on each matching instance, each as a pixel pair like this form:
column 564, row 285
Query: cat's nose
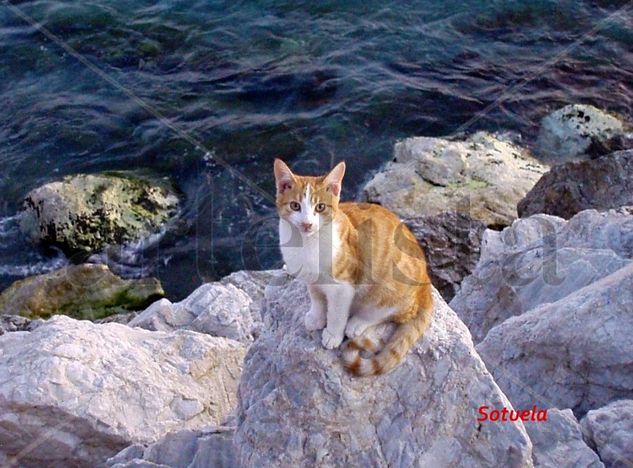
column 306, row 226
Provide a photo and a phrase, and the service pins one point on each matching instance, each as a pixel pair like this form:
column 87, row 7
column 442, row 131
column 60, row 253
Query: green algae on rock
column 87, row 291
column 482, row 176
column 82, row 213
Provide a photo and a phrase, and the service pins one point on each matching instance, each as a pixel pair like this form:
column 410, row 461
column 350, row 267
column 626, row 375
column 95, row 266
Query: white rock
column 74, row 393
column 610, row 431
column 541, row 259
column 558, row 442
column 209, row 447
column 568, row 132
column 298, row 407
column 482, row 176
column 573, row 353
column 228, row 308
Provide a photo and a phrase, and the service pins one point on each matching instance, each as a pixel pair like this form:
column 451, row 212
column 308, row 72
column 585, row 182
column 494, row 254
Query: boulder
column 210, row 447
column 541, row 259
column 299, row 407
column 558, row 442
column 228, row 308
column 83, row 213
column 451, row 243
column 11, row 323
column 569, row 132
column 574, row 353
column 619, row 142
column 73, row 393
column 253, row 283
column 122, row 318
column 482, row 176
column 87, row 291
column 610, row 431
column 568, row 188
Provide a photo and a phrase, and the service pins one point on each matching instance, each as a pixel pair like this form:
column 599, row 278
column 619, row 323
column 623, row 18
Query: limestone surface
column 539, row 260
column 482, row 176
column 610, row 430
column 209, row 447
column 574, row 353
column 229, row 308
column 558, row 442
column 298, row 407
column 73, row 393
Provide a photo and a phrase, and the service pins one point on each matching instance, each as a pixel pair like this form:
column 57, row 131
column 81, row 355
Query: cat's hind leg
column 367, row 317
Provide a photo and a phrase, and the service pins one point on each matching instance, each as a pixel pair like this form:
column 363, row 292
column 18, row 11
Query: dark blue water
column 191, row 89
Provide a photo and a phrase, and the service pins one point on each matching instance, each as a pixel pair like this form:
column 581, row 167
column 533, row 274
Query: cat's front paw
column 314, row 319
column 331, row 341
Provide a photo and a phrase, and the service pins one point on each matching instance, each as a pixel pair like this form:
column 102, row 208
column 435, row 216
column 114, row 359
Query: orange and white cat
column 361, row 264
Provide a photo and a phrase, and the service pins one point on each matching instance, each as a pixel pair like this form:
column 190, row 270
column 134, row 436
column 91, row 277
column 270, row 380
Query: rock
column 298, row 407
column 228, row 308
column 11, row 323
column 253, row 283
column 574, row 353
column 83, row 213
column 610, row 431
column 569, row 132
column 212, row 447
column 87, row 291
column 75, row 393
column 619, row 142
column 566, row 189
column 482, row 176
column 558, row 442
column 122, row 318
column 451, row 243
column 541, row 259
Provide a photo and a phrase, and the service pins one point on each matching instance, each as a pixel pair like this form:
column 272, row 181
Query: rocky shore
column 533, row 310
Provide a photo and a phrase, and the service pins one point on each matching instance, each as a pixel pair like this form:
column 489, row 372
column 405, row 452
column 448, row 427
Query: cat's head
column 307, row 202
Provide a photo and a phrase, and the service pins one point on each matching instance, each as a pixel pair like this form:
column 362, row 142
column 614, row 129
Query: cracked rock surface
column 558, row 442
column 297, row 406
column 574, row 353
column 101, row 388
column 602, row 183
column 229, row 308
column 209, row 447
column 542, row 259
column 610, row 430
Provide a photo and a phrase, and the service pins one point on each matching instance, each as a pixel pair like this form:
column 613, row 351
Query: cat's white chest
column 308, row 258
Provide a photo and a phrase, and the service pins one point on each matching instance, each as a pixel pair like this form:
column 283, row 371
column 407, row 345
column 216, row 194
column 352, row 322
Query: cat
column 362, row 267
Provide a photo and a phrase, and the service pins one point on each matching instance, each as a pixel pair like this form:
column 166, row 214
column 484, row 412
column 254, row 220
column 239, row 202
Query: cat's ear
column 284, row 177
column 334, row 179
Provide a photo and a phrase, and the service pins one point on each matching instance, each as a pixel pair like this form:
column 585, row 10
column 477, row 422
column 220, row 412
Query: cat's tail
column 389, row 354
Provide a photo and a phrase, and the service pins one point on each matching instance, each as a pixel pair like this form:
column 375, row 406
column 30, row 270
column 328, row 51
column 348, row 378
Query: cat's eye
column 320, row 207
column 294, row 206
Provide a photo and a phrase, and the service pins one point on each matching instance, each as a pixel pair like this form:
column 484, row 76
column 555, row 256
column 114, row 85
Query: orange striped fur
column 362, row 265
